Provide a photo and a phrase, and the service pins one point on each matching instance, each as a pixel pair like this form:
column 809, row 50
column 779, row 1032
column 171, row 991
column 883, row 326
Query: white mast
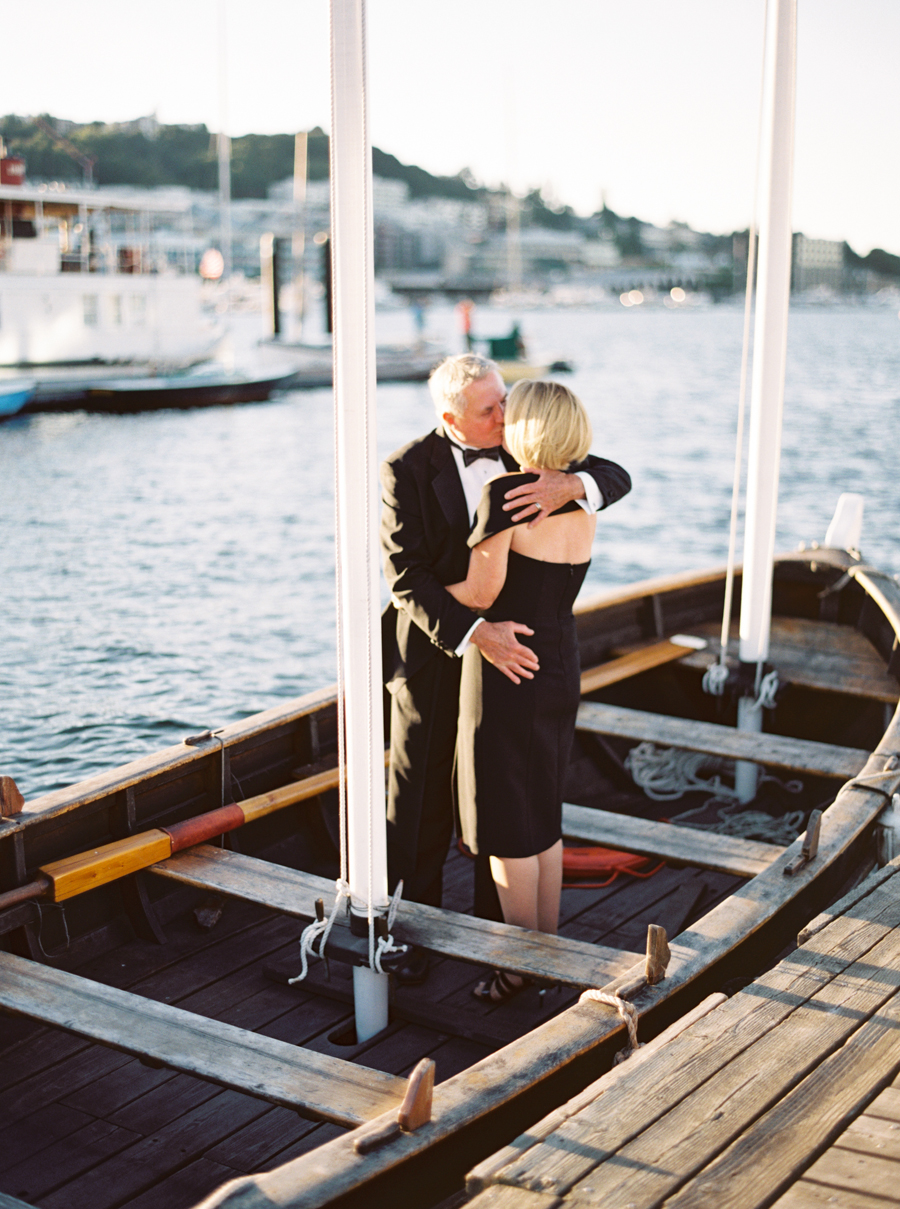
column 769, row 353
column 223, row 147
column 354, row 388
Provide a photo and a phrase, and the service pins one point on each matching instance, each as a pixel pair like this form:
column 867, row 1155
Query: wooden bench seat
column 632, row 663
column 668, row 842
column 315, row 1084
column 481, row 941
column 776, row 751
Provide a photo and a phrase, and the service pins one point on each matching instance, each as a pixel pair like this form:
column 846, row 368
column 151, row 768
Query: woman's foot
column 499, row 986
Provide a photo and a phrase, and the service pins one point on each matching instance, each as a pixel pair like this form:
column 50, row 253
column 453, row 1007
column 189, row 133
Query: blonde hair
column 546, row 425
column 448, row 381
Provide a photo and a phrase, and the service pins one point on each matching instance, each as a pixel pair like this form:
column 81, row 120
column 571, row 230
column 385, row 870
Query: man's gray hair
column 452, row 376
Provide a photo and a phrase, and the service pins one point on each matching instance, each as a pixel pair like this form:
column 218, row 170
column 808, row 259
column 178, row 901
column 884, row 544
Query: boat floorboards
column 87, row 1127
column 787, row 1093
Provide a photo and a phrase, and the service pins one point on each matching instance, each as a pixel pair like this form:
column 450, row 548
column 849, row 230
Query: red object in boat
column 603, row 862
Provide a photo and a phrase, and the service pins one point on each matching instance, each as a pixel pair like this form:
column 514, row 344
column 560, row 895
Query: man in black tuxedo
column 431, row 488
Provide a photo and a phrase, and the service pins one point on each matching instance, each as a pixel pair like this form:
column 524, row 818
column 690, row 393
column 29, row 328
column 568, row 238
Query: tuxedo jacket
column 424, row 532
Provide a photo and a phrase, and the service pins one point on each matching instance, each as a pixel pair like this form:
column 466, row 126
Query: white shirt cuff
column 465, row 642
column 593, row 500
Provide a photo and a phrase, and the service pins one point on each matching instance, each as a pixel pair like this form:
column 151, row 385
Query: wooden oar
column 73, row 875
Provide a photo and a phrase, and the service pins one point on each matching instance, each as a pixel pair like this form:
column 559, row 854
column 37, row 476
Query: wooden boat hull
column 127, row 396
column 477, row 1110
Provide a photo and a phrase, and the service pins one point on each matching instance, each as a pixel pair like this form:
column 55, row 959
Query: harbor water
column 172, row 571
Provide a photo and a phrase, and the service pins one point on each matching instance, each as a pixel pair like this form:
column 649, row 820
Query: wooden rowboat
column 96, row 876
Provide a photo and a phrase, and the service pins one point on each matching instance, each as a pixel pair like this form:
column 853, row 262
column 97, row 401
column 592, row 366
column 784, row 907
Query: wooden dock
column 785, row 1094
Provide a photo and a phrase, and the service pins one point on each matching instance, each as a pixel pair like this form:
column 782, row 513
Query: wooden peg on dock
column 11, row 800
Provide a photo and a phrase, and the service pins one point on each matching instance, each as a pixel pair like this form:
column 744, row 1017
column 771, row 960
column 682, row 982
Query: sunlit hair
column 452, row 376
column 546, row 425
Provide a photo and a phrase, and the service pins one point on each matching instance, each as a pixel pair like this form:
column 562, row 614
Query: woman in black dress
column 515, row 736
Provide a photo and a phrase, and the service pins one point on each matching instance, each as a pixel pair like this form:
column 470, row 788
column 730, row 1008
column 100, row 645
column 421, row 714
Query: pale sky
column 654, row 102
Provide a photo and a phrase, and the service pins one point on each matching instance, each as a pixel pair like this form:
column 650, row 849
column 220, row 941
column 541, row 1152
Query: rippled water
column 167, row 572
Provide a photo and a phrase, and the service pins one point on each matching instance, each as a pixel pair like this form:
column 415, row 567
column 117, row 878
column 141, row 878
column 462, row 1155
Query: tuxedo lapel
column 509, row 461
column 447, row 487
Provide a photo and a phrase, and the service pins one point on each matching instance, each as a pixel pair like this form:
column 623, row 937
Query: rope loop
column 768, row 690
column 626, row 1010
column 319, row 928
column 386, row 944
column 715, row 678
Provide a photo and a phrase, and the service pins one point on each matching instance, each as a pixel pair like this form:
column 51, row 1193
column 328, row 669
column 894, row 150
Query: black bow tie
column 472, row 455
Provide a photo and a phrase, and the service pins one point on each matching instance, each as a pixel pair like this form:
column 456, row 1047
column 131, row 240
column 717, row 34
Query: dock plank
column 693, row 1134
column 534, row 954
column 630, row 1108
column 249, row 1062
column 668, row 842
column 803, row 1122
column 184, row 1187
column 806, row 1194
column 775, row 751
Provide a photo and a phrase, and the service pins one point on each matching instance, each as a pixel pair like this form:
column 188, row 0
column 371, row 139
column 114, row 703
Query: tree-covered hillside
column 186, row 155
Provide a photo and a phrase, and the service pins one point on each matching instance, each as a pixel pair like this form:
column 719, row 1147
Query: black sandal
column 498, row 987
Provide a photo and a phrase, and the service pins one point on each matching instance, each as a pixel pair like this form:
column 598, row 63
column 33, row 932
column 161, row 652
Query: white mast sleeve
column 354, row 390
column 770, row 335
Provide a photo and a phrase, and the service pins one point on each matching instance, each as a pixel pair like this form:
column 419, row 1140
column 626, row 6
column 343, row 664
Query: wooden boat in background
column 836, row 636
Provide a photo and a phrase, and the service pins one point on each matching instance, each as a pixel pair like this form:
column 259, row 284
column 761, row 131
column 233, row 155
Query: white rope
column 768, row 689
column 751, row 824
column 716, row 676
column 319, row 927
column 386, row 944
column 626, row 1010
column 667, row 774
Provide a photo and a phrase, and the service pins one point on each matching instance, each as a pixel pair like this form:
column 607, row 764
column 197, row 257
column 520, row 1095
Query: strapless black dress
column 514, row 740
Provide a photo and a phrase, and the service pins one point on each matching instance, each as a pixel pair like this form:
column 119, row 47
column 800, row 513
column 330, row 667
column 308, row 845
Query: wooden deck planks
column 260, row 1066
column 861, row 1167
column 732, row 1110
column 775, row 751
column 668, row 842
column 633, row 1106
column 534, row 954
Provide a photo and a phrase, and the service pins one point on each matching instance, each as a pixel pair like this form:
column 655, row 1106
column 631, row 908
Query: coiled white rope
column 667, row 774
